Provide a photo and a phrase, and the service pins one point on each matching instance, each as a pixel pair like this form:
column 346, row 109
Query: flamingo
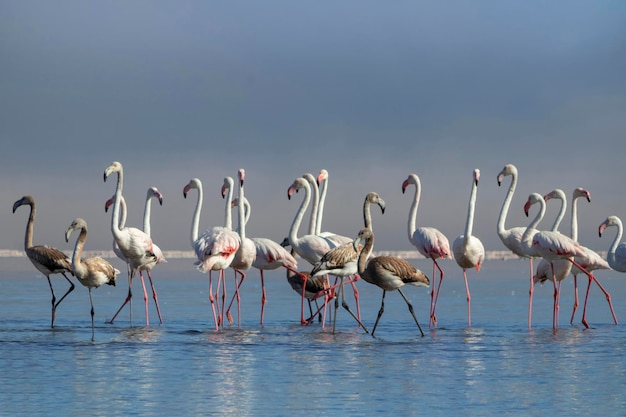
column 46, row 259
column 512, row 238
column 341, row 261
column 616, row 256
column 468, row 250
column 91, row 272
column 554, row 246
column 387, row 272
column 215, row 248
column 270, row 255
column 316, row 183
column 153, row 192
column 244, row 257
column 429, row 241
column 135, row 245
column 591, row 261
column 559, row 268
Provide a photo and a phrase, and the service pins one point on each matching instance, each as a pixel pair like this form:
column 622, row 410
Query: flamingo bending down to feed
column 341, row 261
column 468, row 250
column 91, row 272
column 430, row 242
column 555, row 246
column 387, row 272
column 46, row 259
column 512, row 238
column 135, row 245
column 215, row 248
column 153, row 192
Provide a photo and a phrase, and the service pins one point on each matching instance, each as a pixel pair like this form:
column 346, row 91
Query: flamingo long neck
column 610, row 258
column 505, row 206
column 295, row 225
column 242, row 215
column 364, row 256
column 146, row 214
column 413, row 209
column 78, row 251
column 228, row 211
column 320, row 210
column 316, row 203
column 526, row 237
column 30, row 227
column 196, row 216
column 574, row 221
column 115, row 217
column 469, row 224
column 367, row 214
column 559, row 217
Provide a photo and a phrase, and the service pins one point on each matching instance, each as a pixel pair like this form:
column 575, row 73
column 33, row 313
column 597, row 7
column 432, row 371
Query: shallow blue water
column 184, row 367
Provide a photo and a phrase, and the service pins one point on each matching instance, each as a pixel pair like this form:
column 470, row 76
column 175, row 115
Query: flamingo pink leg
column 571, row 320
column 129, row 299
column 356, row 296
column 212, row 300
column 238, row 297
column 264, row 298
column 145, row 297
column 530, row 295
column 436, row 296
column 469, row 298
column 155, row 297
column 606, row 293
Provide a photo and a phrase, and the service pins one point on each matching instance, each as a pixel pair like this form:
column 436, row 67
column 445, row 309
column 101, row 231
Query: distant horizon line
column 189, row 254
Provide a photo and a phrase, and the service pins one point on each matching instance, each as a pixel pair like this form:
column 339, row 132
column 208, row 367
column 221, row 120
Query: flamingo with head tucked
column 429, row 241
column 46, row 259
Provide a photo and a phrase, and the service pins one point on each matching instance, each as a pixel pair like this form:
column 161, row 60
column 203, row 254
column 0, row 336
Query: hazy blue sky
column 371, row 91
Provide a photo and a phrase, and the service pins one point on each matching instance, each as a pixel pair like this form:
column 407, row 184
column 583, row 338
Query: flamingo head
column 374, row 198
column 76, row 225
column 509, row 169
column 411, row 179
column 323, row 175
column 108, row 204
column 610, row 221
column 285, row 242
column 242, row 175
column 114, row 167
column 194, row 183
column 228, row 185
column 476, row 176
column 532, row 199
column 558, row 194
column 297, row 184
column 363, row 236
column 581, row 192
column 154, row 192
column 27, row 199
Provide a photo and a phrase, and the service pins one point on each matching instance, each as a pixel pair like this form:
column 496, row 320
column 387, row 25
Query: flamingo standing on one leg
column 46, row 259
column 429, row 241
column 387, row 272
column 135, row 245
column 215, row 248
column 91, row 272
column 512, row 238
column 468, row 250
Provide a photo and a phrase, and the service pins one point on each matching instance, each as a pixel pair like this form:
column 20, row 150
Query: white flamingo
column 153, row 192
column 91, row 272
column 244, row 257
column 512, row 238
column 554, row 246
column 387, row 272
column 215, row 248
column 468, row 250
column 135, row 245
column 616, row 256
column 47, row 260
column 429, row 241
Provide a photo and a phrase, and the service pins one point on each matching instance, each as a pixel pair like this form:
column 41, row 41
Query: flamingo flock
column 220, row 247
